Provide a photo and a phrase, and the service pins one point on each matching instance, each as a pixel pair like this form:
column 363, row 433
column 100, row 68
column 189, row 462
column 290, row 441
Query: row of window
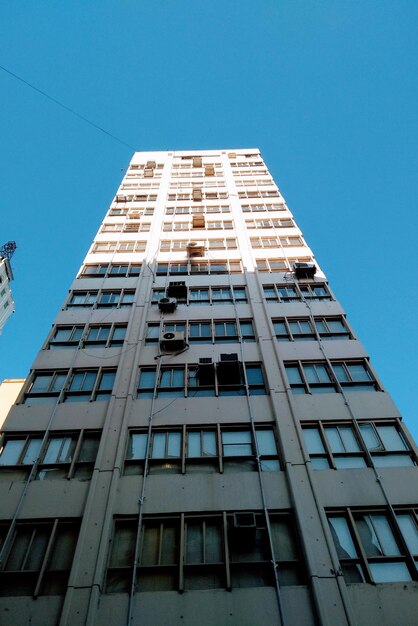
column 110, row 270
column 229, row 266
column 77, row 385
column 207, row 295
column 226, row 379
column 304, row 329
column 167, row 245
column 191, row 209
column 281, row 265
column 92, row 336
column 129, row 227
column 64, row 455
column 208, row 331
column 142, row 197
column 208, row 195
column 297, row 292
column 224, row 550
column 323, row 377
column 117, row 211
column 182, row 226
column 121, row 246
column 275, row 242
column 228, row 448
column 106, row 298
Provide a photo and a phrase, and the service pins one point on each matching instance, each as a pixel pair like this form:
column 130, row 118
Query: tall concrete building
column 202, row 438
column 7, row 305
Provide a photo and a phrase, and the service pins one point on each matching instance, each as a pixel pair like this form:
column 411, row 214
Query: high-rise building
column 202, row 438
column 7, row 305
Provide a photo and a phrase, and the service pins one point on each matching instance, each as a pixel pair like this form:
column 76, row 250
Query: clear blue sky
column 327, row 89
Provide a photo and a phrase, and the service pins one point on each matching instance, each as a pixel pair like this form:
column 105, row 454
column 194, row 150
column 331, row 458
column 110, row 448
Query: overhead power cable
column 64, row 106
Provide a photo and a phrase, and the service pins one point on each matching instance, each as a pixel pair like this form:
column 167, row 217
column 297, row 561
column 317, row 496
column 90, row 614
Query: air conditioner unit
column 150, row 165
column 197, row 194
column 176, row 289
column 206, row 372
column 209, row 170
column 195, row 248
column 148, row 173
column 243, row 531
column 304, row 270
column 197, row 161
column 229, row 370
column 120, row 198
column 198, row 221
column 167, row 305
column 172, row 341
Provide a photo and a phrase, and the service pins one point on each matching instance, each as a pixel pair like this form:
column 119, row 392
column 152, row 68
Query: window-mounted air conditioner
column 197, row 161
column 167, row 305
column 197, row 194
column 150, row 165
column 243, row 530
column 206, row 372
column 172, row 341
column 198, row 221
column 209, row 170
column 304, row 270
column 195, row 248
column 176, row 289
column 229, row 369
column 120, row 198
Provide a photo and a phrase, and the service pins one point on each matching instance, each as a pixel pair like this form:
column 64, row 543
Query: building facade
column 7, row 305
column 202, row 438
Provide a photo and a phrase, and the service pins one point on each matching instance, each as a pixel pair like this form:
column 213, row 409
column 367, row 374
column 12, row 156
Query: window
column 219, row 550
column 81, row 385
column 66, row 337
column 190, row 210
column 270, row 223
column 194, row 380
column 39, row 557
column 295, row 329
column 106, row 335
column 319, row 377
column 85, row 385
column 296, row 292
column 370, row 547
column 341, row 446
column 203, row 450
column 82, row 299
column 69, row 455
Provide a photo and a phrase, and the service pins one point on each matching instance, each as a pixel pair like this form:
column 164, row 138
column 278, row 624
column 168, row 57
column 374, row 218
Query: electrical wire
column 67, row 108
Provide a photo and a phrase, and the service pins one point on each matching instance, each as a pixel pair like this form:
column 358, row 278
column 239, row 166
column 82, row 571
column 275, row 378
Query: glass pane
column 37, row 549
column 342, row 538
column 311, row 375
column 193, row 444
column 313, row 441
column 254, row 375
column 209, row 443
column 150, row 547
column 147, row 379
column 137, row 446
column 283, row 541
column 349, row 462
column 158, row 446
column 236, row 436
column 169, row 545
column 336, row 326
column 320, row 463
column 280, row 329
column 11, row 452
column 213, row 543
column 349, row 440
column 266, row 442
column 119, row 333
column 340, row 373
column 376, row 535
column 391, row 438
column 41, row 383
column 389, row 572
column 107, row 380
column 194, row 547
column 385, row 535
column 237, row 450
column 358, row 372
column 89, row 448
column 63, row 550
column 59, row 450
column 370, row 438
column 62, row 334
column 334, row 439
column 32, row 451
column 178, row 377
column 174, row 444
column 123, row 546
column 409, row 531
column 393, row 460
